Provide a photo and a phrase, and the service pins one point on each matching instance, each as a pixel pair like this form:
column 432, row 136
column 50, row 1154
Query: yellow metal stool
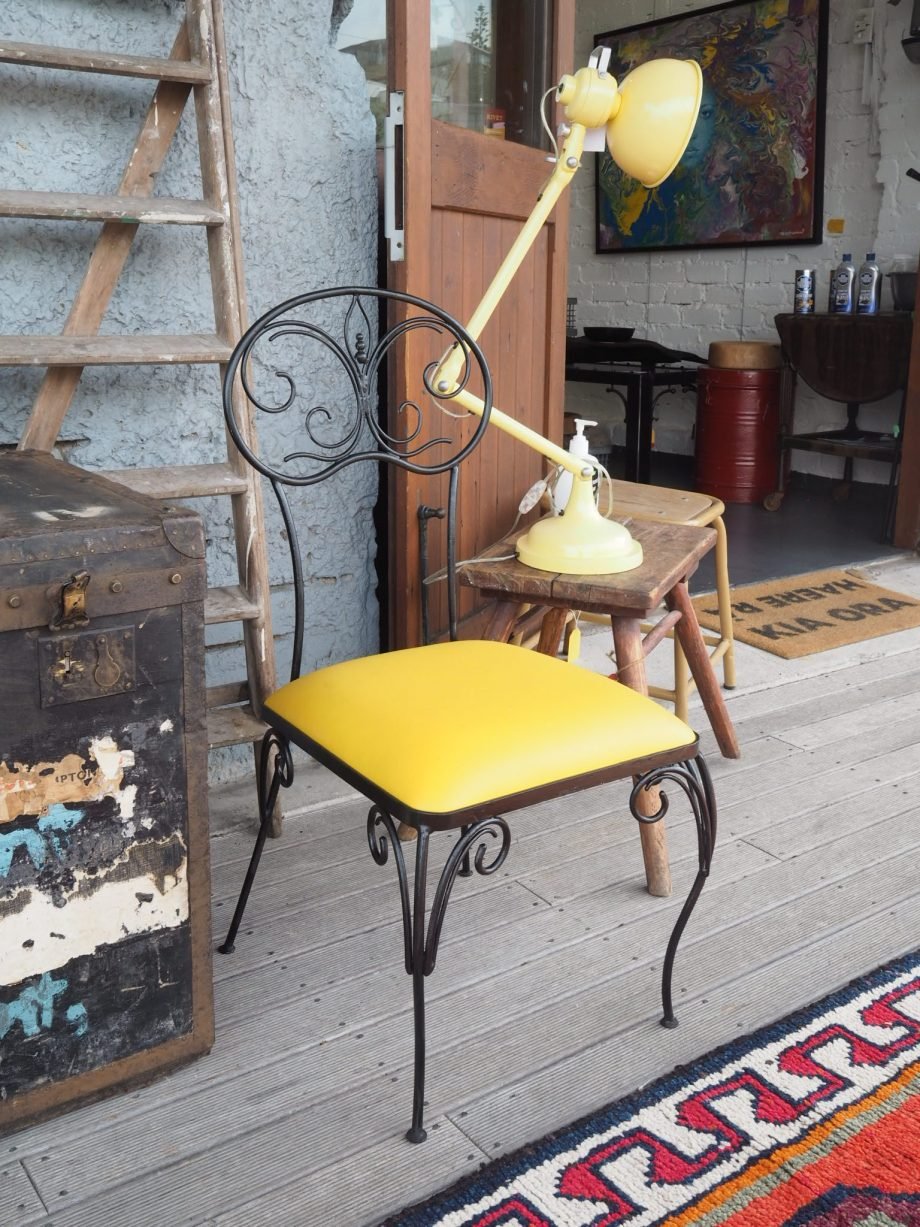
column 643, row 502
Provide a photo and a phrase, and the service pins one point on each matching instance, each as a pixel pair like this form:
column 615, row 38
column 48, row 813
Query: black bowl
column 608, row 334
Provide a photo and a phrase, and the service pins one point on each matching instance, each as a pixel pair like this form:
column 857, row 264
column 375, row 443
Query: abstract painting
column 753, row 170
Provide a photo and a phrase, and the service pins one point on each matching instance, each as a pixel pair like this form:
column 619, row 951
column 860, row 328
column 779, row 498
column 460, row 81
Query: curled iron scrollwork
column 347, row 429
column 421, row 947
column 381, row 836
column 497, row 828
column 276, row 770
column 692, row 777
column 694, row 780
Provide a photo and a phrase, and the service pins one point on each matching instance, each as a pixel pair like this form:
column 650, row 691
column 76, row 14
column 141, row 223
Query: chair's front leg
column 269, row 785
column 693, row 777
column 421, row 947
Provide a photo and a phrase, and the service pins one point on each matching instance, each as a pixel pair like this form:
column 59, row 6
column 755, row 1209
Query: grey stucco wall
column 306, row 167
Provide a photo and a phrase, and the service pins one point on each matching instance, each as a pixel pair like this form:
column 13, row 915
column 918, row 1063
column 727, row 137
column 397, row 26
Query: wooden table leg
column 691, row 640
column 554, row 622
column 502, row 620
column 627, row 644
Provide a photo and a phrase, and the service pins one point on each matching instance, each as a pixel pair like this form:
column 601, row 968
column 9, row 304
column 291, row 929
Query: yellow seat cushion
column 453, row 725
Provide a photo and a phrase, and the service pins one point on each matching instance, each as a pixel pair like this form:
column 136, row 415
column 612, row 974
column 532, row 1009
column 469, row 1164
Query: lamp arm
column 445, row 377
column 567, row 164
column 530, row 438
column 646, row 139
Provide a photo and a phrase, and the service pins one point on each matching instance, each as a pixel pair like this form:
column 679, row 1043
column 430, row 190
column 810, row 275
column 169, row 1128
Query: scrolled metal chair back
column 337, row 333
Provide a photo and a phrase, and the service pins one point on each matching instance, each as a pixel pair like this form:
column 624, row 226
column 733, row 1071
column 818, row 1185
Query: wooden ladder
column 196, row 65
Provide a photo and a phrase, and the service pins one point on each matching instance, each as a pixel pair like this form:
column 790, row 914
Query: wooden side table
column 856, row 359
column 671, row 554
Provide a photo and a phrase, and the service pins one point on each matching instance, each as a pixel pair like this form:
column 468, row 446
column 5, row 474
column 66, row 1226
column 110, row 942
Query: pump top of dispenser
column 578, row 444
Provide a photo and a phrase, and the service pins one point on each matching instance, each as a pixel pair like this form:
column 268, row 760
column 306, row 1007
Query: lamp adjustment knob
column 589, row 98
column 565, row 90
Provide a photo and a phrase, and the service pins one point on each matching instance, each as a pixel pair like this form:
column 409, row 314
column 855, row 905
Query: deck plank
column 297, row 1114
column 537, row 993
column 574, row 1002
column 320, row 1054
column 19, row 1202
column 586, row 1080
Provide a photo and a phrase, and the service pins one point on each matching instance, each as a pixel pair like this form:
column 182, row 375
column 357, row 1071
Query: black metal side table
column 638, row 367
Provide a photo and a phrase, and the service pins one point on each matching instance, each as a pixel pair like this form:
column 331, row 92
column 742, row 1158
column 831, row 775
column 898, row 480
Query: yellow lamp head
column 648, row 118
column 659, row 104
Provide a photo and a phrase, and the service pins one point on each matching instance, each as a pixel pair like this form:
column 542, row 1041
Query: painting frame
column 743, row 181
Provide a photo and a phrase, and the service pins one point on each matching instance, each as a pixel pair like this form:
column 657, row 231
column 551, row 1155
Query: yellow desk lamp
column 647, row 121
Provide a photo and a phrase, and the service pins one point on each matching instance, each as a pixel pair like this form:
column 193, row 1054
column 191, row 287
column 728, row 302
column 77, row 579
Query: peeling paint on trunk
column 34, row 788
column 119, row 910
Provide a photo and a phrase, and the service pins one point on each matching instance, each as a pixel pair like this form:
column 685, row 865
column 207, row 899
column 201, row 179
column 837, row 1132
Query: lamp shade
column 652, row 126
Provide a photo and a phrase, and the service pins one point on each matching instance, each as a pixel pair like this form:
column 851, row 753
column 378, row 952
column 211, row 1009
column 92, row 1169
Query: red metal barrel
column 737, row 433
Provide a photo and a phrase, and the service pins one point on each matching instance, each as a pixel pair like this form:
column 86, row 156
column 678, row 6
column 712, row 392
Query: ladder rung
column 228, row 694
column 109, row 63
column 80, row 207
column 229, row 726
column 181, row 480
column 229, row 604
column 29, row 350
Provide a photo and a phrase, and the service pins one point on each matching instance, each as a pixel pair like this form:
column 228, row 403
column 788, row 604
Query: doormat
column 804, row 614
column 812, row 1122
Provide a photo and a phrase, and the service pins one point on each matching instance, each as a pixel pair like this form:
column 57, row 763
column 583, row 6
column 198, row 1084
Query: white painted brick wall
column 688, row 299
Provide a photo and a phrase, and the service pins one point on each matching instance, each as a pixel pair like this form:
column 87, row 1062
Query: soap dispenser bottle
column 869, row 281
column 578, row 446
column 845, row 285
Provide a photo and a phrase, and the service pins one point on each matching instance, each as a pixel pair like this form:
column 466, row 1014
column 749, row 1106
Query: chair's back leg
column 416, row 1132
column 282, row 775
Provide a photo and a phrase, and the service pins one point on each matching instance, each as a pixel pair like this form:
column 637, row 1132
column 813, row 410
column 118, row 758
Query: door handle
column 396, row 237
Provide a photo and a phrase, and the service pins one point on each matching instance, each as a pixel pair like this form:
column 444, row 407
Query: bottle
column 845, row 285
column 578, row 446
column 869, row 282
column 831, row 285
column 804, row 291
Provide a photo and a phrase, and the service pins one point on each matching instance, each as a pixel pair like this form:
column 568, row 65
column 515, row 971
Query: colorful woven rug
column 803, row 614
column 813, row 1122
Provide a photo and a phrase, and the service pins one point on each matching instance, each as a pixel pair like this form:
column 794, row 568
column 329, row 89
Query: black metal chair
column 472, row 729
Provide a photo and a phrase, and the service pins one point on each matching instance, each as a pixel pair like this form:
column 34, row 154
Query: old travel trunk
column 105, row 973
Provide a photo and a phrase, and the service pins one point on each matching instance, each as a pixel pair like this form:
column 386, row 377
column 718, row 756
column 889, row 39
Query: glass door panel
column 490, row 66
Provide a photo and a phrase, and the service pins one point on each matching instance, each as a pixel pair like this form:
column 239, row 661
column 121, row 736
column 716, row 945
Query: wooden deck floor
column 544, row 1002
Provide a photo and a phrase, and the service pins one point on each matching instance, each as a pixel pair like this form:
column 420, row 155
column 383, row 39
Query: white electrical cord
column 545, row 485
column 603, row 475
column 549, row 132
column 527, row 503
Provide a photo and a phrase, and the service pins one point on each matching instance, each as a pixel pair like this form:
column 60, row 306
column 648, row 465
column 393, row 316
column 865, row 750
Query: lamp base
column 580, row 542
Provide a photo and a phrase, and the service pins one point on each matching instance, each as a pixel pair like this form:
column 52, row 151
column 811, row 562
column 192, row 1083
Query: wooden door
column 466, row 194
